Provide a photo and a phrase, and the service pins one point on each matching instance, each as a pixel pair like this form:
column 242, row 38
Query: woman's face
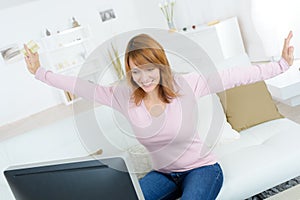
column 147, row 77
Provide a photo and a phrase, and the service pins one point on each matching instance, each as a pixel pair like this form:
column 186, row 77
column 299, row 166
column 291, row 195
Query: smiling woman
column 148, row 67
column 147, row 77
column 161, row 108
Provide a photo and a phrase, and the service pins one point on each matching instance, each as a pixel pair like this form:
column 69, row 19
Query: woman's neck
column 154, row 104
column 153, row 97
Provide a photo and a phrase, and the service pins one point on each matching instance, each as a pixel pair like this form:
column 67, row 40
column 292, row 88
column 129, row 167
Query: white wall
column 273, row 20
column 263, row 24
column 21, row 94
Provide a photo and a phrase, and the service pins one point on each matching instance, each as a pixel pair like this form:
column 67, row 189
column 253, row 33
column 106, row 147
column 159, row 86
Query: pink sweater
column 171, row 138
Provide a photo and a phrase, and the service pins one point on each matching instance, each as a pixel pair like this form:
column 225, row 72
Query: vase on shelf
column 167, row 8
column 171, row 25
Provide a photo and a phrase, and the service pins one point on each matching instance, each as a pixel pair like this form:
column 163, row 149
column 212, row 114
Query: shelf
column 221, row 41
column 74, row 71
column 71, row 30
column 65, row 53
column 64, row 46
column 67, row 38
column 72, row 67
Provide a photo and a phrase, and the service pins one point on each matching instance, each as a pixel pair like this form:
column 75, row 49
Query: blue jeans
column 201, row 183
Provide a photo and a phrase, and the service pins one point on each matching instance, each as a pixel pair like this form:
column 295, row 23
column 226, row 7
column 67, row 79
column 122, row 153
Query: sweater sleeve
column 83, row 88
column 217, row 82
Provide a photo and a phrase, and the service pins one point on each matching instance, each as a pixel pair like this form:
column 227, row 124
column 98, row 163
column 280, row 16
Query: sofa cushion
column 212, row 125
column 248, row 105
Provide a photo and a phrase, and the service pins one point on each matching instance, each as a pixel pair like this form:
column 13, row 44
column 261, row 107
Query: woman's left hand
column 288, row 51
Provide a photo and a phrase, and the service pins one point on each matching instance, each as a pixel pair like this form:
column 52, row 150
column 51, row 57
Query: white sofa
column 263, row 157
column 254, row 160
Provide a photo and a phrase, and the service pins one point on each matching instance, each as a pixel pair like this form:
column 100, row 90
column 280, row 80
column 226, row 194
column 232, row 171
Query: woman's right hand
column 32, row 60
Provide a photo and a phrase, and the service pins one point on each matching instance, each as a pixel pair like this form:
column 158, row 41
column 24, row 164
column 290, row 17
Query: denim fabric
column 201, row 183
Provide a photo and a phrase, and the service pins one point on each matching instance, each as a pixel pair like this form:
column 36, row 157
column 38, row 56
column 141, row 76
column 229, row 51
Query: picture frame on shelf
column 11, row 53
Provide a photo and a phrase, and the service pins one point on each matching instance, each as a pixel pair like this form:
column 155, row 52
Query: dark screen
column 73, row 181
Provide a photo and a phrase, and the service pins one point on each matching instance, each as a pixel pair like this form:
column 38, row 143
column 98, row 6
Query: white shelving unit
column 65, row 52
column 67, row 49
column 222, row 42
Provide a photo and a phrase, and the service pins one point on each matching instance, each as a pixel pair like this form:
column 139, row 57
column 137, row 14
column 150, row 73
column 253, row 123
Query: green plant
column 167, row 8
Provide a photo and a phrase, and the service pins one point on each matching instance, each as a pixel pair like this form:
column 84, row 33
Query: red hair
column 143, row 50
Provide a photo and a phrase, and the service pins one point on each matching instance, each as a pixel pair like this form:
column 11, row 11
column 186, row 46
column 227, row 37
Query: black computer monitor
column 96, row 179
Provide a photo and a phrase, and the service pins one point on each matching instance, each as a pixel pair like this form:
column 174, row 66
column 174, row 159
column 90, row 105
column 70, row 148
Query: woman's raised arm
column 106, row 95
column 236, row 76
